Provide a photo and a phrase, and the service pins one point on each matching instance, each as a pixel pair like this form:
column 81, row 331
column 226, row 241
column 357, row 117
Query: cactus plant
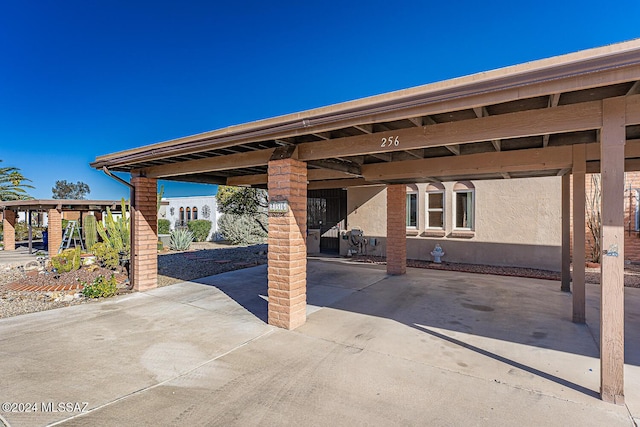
column 90, row 231
column 181, row 239
column 115, row 232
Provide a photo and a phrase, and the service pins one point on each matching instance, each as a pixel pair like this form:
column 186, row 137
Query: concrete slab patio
column 428, row 348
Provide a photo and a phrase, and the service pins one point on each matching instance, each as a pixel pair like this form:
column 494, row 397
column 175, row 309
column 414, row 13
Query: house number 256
column 390, row 142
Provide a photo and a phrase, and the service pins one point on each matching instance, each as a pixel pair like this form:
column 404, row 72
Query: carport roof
column 518, row 121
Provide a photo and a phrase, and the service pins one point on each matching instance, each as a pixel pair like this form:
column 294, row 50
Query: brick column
column 287, row 244
column 54, row 224
column 144, row 234
column 396, row 229
column 9, row 230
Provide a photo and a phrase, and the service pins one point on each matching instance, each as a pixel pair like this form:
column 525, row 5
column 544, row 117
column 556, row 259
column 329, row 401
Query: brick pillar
column 396, row 229
column 144, row 234
column 54, row 225
column 9, row 230
column 287, row 244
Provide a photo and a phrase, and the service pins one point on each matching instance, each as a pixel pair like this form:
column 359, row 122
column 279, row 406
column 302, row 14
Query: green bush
column 68, row 260
column 100, row 288
column 241, row 229
column 107, row 256
column 181, row 239
column 164, row 226
column 200, row 229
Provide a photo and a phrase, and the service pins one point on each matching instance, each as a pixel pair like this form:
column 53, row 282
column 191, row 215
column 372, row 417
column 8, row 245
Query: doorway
column 327, row 211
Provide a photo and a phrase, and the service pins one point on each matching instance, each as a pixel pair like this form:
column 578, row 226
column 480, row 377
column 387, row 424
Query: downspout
column 132, row 198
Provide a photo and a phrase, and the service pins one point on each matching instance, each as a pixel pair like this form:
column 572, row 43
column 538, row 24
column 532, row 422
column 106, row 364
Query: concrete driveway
column 428, row 348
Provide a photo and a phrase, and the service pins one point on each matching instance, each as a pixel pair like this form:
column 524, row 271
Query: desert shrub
column 241, row 229
column 164, row 226
column 90, row 231
column 100, row 287
column 200, row 229
column 181, row 239
column 68, row 260
column 106, row 255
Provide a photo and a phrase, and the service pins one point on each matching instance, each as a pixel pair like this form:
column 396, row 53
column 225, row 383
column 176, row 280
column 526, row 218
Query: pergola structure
column 568, row 115
column 54, row 209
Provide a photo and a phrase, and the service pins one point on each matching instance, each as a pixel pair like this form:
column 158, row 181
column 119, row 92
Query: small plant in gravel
column 181, row 239
column 200, row 229
column 68, row 260
column 101, row 287
column 106, row 255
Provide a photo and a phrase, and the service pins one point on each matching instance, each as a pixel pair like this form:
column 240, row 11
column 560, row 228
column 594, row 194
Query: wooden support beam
column 323, row 135
column 565, row 279
column 232, row 161
column 496, row 144
column 418, row 154
column 545, row 140
column 635, row 89
column 337, row 183
column 563, row 172
column 385, row 157
column 578, row 170
column 554, row 99
column 565, row 118
column 455, row 149
column 336, row 165
column 429, row 121
column 364, row 128
column 534, row 159
column 612, row 258
column 417, row 121
column 505, row 175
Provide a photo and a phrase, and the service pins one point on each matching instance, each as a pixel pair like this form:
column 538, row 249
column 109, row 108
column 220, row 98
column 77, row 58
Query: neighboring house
column 180, row 210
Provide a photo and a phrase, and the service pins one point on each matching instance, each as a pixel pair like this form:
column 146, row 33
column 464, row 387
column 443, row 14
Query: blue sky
column 79, row 79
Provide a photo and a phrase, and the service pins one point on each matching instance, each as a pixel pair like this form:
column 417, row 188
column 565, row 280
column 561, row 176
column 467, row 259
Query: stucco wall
column 517, row 223
column 172, row 210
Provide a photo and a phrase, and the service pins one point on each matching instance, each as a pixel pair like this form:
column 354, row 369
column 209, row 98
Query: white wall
column 172, row 210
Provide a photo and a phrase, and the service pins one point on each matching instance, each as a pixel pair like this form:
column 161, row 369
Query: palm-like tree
column 13, row 184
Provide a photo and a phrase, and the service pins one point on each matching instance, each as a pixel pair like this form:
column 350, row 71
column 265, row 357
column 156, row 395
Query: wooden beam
column 429, row 121
column 635, row 89
column 534, row 159
column 578, row 170
column 418, row 154
column 496, row 144
column 565, row 277
column 343, row 166
column 566, row 118
column 232, row 161
column 612, row 258
column 337, row 183
column 322, row 135
column 417, row 121
column 455, row 149
column 385, row 157
column 545, row 140
column 506, row 175
column 312, row 175
column 554, row 99
column 563, row 172
column 364, row 128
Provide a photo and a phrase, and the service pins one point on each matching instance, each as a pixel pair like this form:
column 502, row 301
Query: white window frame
column 429, row 209
column 473, row 209
column 412, row 227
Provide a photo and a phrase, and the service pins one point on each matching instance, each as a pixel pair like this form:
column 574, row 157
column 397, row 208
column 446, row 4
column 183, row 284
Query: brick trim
column 9, row 230
column 144, row 236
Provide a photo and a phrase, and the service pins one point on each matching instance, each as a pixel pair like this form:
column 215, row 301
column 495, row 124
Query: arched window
column 464, row 205
column 195, row 213
column 181, row 216
column 435, row 206
column 188, row 214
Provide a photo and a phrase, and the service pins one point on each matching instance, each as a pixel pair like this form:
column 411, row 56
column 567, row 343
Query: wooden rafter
column 417, row 121
column 364, row 128
column 455, row 149
column 336, row 165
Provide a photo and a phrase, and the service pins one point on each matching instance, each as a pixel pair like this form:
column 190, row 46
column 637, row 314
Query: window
column 188, row 214
column 412, row 210
column 181, row 216
column 464, row 205
column 435, row 206
column 195, row 213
